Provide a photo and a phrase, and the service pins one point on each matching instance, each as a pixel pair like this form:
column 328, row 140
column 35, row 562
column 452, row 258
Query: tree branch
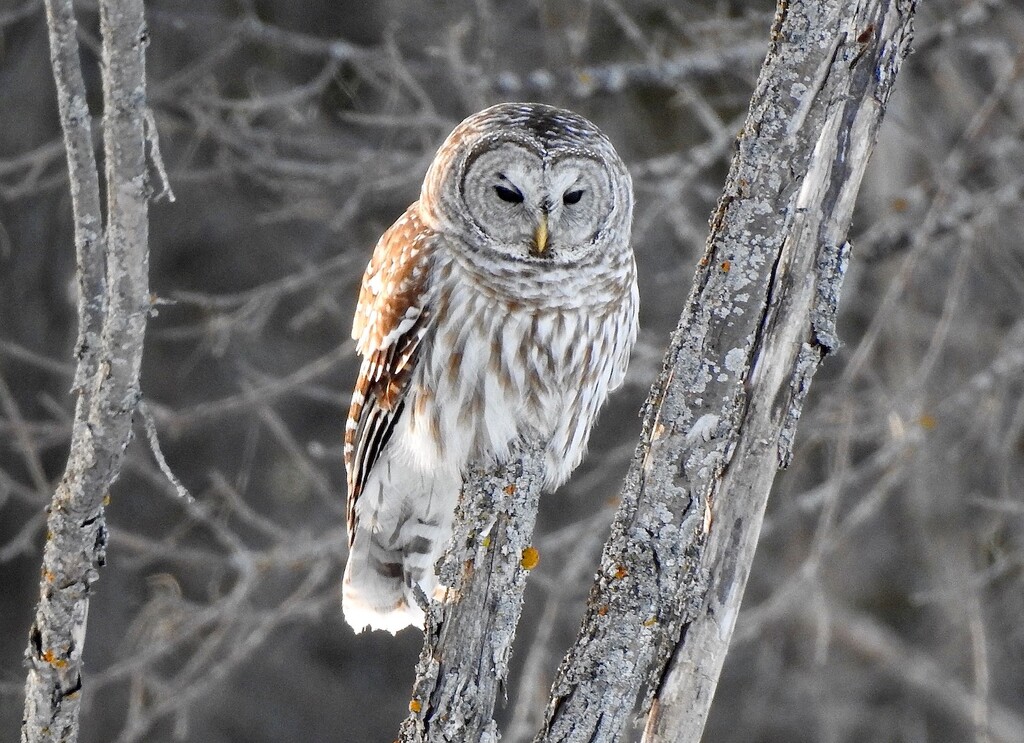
column 721, row 417
column 468, row 638
column 113, row 307
column 76, row 123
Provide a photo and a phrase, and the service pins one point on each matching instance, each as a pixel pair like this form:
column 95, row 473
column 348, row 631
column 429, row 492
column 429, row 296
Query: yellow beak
column 540, row 237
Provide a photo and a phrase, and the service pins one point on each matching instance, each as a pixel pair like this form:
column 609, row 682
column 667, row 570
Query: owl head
column 533, row 183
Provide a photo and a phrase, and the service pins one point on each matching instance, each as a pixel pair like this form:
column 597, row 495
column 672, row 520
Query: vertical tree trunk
column 468, row 639
column 112, row 308
column 721, row 418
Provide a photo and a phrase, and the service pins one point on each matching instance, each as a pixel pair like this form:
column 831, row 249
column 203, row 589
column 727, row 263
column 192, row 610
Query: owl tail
column 377, row 592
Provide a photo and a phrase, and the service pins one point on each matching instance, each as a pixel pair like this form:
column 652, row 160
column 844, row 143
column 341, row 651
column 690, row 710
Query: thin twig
column 154, row 444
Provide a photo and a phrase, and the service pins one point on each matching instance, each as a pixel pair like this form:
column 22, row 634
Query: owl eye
column 572, row 197
column 511, row 195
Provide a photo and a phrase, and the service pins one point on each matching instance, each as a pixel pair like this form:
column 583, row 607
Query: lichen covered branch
column 721, row 417
column 468, row 642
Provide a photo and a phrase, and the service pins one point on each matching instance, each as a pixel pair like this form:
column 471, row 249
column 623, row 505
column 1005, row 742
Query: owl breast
column 496, row 369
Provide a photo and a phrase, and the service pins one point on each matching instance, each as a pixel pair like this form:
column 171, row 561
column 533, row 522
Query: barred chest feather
column 495, row 369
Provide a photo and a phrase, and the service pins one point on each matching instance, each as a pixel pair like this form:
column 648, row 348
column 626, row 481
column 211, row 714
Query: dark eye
column 572, row 197
column 511, row 195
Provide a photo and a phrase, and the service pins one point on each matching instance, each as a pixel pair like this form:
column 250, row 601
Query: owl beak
column 540, row 236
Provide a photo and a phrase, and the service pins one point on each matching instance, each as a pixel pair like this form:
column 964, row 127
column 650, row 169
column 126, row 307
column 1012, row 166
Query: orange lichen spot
column 621, row 572
column 651, row 622
column 602, row 610
column 900, row 205
column 50, row 657
column 703, row 262
column 48, row 576
column 726, row 266
column 530, row 558
column 927, row 421
column 509, row 489
column 415, row 706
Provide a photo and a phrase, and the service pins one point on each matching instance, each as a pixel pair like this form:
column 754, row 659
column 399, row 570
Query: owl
column 502, row 305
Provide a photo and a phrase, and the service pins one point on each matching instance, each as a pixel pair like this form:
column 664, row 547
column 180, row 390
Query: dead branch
column 468, row 638
column 113, row 307
column 721, row 418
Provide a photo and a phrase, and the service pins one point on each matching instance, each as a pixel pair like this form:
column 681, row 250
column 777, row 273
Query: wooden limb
column 468, row 638
column 76, row 123
column 721, row 417
column 113, row 308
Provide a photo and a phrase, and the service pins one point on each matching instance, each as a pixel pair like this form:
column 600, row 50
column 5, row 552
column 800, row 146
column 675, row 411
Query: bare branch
column 468, row 638
column 113, row 307
column 876, row 643
column 76, row 123
column 149, row 423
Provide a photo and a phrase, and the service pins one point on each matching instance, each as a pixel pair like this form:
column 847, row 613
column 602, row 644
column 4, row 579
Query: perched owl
column 501, row 305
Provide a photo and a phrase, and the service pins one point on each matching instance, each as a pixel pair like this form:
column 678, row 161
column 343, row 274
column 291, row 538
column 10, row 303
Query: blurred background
column 886, row 598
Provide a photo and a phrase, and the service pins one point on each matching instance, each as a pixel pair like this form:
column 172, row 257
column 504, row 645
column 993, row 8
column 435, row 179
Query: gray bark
column 113, row 306
column 76, row 123
column 468, row 638
column 720, row 419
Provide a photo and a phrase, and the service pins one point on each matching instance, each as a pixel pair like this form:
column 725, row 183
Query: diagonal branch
column 721, row 418
column 113, row 307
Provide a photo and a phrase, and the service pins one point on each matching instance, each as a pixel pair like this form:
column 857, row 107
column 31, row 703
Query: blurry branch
column 966, row 16
column 584, row 82
column 26, row 9
column 721, row 418
column 35, row 170
column 112, row 307
column 617, row 77
column 468, row 637
column 22, row 438
column 250, row 399
column 879, row 645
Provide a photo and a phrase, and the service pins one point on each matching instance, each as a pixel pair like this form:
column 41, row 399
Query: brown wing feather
column 391, row 321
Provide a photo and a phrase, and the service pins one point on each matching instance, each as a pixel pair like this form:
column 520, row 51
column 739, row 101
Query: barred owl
column 502, row 304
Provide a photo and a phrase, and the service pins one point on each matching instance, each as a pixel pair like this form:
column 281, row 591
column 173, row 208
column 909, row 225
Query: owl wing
column 390, row 323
